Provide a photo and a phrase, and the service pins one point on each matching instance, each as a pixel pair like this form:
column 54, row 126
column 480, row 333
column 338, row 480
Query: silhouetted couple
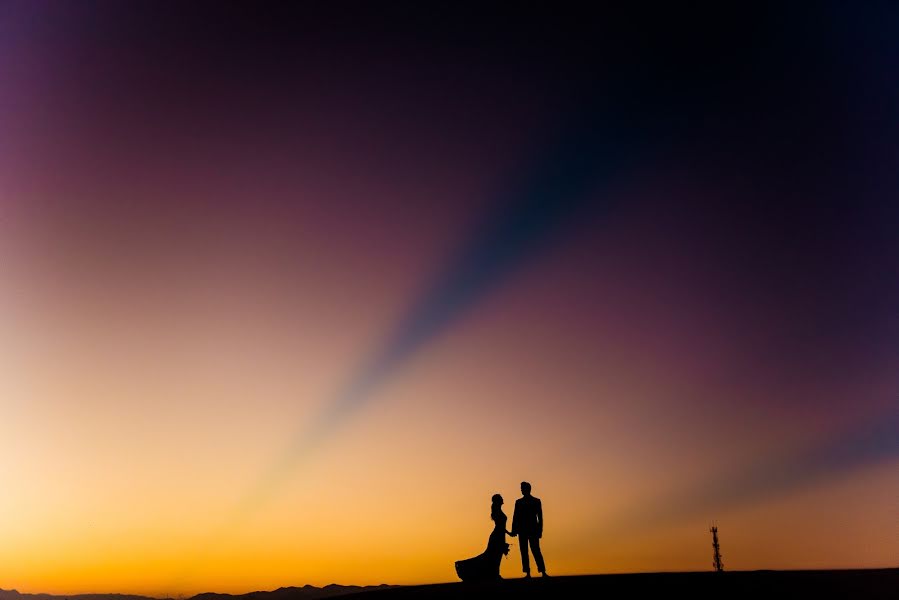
column 527, row 524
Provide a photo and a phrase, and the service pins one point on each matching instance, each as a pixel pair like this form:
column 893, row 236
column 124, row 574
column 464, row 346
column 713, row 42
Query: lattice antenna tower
column 717, row 563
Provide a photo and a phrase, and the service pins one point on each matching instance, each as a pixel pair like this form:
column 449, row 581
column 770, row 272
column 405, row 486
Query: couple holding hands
column 527, row 525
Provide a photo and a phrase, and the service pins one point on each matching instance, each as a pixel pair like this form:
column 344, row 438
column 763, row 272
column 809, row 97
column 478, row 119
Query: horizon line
column 406, row 585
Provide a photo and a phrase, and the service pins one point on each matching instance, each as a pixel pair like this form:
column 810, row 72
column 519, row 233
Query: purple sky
column 659, row 247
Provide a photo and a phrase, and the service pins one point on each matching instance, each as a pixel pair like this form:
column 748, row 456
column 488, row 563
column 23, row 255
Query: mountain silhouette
column 15, row 595
column 306, row 592
column 291, row 593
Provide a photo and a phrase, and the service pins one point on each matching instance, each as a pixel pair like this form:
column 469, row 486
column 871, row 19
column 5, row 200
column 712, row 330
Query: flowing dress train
column 485, row 566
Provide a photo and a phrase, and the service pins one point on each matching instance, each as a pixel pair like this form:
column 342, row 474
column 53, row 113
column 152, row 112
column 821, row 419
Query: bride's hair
column 495, row 506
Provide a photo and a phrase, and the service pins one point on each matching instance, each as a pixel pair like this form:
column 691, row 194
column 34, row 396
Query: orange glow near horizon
column 128, row 478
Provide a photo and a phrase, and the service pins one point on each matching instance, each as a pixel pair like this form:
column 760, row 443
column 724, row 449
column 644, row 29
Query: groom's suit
column 527, row 523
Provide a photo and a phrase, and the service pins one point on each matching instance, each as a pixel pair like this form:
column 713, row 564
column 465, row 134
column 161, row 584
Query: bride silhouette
column 486, row 565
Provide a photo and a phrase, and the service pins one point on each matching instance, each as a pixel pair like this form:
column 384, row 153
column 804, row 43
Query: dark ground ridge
column 763, row 585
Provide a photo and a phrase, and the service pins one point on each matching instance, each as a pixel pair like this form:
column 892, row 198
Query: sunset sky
column 287, row 294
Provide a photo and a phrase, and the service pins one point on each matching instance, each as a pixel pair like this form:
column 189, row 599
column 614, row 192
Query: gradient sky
column 287, row 294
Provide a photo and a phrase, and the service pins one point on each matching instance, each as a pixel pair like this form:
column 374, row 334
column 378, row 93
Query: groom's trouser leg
column 538, row 556
column 523, row 546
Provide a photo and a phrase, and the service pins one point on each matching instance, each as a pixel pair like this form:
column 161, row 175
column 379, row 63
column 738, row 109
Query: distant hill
column 292, row 593
column 14, row 595
column 307, row 592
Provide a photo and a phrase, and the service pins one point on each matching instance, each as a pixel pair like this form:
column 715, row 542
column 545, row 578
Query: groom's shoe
column 526, row 575
column 544, row 573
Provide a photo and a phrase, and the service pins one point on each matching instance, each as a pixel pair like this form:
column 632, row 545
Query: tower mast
column 719, row 566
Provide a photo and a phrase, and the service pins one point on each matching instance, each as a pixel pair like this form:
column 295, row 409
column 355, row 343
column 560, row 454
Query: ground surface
column 765, row 585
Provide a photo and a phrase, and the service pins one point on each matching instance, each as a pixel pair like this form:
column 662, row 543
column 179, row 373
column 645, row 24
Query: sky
column 287, row 292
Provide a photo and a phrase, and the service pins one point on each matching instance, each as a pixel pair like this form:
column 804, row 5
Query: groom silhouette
column 527, row 524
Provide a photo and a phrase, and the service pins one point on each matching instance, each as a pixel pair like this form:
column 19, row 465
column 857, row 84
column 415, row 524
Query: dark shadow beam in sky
column 869, row 444
column 537, row 212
